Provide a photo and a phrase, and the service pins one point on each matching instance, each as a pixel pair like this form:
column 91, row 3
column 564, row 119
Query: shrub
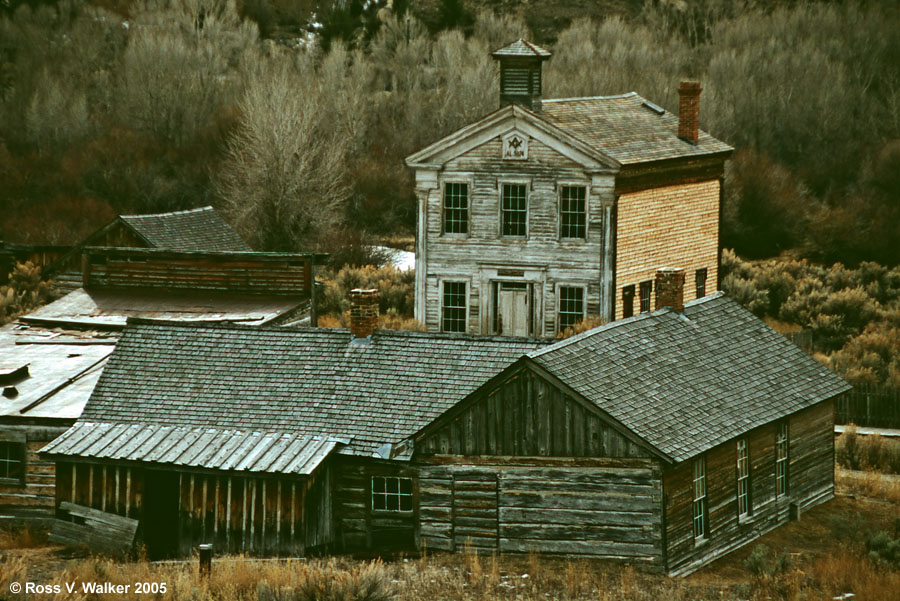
column 396, row 289
column 25, row 292
column 883, row 549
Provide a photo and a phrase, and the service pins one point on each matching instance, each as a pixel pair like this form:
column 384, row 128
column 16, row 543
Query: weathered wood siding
column 670, row 226
column 526, row 415
column 66, row 271
column 605, row 508
column 112, row 488
column 547, row 260
column 357, row 525
column 810, row 481
column 198, row 272
column 33, row 498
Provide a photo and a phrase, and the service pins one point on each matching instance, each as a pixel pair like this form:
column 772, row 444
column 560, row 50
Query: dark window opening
column 572, row 220
column 646, row 289
column 514, row 210
column 628, row 301
column 12, row 460
column 456, row 208
column 571, row 306
column 392, row 494
column 701, row 282
column 453, row 309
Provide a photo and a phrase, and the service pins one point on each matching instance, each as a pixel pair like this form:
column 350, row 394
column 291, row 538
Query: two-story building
column 546, row 212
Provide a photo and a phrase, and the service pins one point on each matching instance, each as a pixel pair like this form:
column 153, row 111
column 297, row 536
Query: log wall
column 34, row 497
column 810, row 481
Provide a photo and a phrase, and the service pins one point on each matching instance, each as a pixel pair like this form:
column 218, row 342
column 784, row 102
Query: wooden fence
column 870, row 406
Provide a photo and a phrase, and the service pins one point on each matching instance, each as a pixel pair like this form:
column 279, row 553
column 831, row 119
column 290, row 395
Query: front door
column 515, row 314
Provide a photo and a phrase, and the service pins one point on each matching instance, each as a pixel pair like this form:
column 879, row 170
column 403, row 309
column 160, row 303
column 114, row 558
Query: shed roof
column 627, row 128
column 200, row 229
column 685, row 382
column 306, row 382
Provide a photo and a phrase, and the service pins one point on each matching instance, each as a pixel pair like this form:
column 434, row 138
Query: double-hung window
column 781, row 459
column 572, row 212
column 646, row 289
column 456, row 208
column 700, row 276
column 571, row 306
column 392, row 494
column 514, row 210
column 743, row 479
column 701, row 527
column 453, row 307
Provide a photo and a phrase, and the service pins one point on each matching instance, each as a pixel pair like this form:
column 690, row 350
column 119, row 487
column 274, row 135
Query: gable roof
column 312, row 382
column 200, row 229
column 687, row 382
column 628, row 128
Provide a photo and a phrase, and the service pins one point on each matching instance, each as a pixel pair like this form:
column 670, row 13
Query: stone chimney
column 670, row 288
column 520, row 73
column 363, row 312
column 689, row 111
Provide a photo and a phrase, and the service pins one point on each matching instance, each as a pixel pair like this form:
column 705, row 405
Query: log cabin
column 548, row 211
column 663, row 440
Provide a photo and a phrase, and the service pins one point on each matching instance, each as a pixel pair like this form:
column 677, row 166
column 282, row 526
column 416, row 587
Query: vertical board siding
column 810, row 481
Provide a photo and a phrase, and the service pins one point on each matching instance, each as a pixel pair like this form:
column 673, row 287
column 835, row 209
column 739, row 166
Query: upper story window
column 453, row 307
column 514, row 210
column 646, row 289
column 781, row 459
column 572, row 212
column 571, row 306
column 392, row 494
column 456, row 208
column 700, row 276
column 701, row 527
column 12, row 460
column 628, row 301
column 743, row 478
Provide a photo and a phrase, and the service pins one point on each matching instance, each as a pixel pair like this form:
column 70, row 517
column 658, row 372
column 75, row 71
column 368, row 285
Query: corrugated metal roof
column 209, row 448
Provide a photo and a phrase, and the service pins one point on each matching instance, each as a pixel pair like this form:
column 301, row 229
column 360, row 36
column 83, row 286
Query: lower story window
column 453, row 307
column 571, row 306
column 700, row 509
column 392, row 494
column 646, row 289
column 12, row 460
column 700, row 277
column 628, row 301
column 743, row 478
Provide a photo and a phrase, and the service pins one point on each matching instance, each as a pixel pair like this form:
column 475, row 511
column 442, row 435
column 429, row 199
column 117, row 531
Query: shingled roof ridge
column 618, row 323
column 577, row 98
column 170, row 213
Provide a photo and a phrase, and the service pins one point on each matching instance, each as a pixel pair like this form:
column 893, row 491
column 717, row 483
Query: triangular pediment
column 512, row 121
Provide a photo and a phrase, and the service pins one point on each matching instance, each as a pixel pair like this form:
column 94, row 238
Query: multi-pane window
column 453, row 307
column 456, row 208
column 743, row 478
column 646, row 289
column 392, row 494
column 700, row 276
column 571, row 306
column 781, row 459
column 12, row 460
column 700, row 510
column 514, row 210
column 572, row 220
column 628, row 301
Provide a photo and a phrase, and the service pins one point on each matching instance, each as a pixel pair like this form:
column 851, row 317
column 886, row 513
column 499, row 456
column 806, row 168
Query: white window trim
column 587, row 210
column 584, row 300
column 528, row 193
column 703, row 499
column 785, row 462
column 455, row 179
column 453, row 280
column 744, row 496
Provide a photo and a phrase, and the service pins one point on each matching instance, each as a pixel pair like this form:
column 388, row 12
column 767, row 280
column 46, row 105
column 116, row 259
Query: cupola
column 520, row 73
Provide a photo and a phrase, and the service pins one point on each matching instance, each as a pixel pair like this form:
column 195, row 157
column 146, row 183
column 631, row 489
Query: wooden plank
column 100, row 530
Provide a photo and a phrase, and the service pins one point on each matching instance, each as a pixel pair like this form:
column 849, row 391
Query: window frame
column 456, row 181
column 782, row 461
column 559, row 198
column 466, row 288
column 697, row 281
column 386, row 494
column 743, row 482
column 526, row 184
column 648, row 286
column 559, row 289
column 700, row 504
column 628, row 294
column 9, row 448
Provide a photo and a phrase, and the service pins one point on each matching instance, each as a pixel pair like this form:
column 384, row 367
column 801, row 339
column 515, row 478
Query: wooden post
column 206, row 552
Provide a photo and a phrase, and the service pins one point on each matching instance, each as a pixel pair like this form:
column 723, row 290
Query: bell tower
column 520, row 73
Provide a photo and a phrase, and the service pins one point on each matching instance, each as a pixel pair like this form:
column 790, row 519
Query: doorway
column 159, row 520
column 513, row 308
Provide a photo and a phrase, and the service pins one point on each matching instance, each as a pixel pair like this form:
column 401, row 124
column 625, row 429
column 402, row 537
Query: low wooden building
column 663, row 440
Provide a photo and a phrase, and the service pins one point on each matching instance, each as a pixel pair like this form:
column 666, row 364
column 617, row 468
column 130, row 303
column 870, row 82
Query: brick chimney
column 670, row 288
column 363, row 312
column 689, row 111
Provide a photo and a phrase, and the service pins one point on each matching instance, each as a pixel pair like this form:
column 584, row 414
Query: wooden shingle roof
column 200, row 229
column 522, row 48
column 685, row 382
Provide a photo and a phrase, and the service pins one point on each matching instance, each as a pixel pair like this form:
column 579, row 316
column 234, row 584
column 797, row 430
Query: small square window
column 646, row 289
column 571, row 306
column 514, row 210
column 12, row 460
column 456, row 208
column 701, row 282
column 453, row 308
column 628, row 301
column 572, row 220
column 392, row 494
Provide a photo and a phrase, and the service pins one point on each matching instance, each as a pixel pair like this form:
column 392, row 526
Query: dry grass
column 25, row 537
